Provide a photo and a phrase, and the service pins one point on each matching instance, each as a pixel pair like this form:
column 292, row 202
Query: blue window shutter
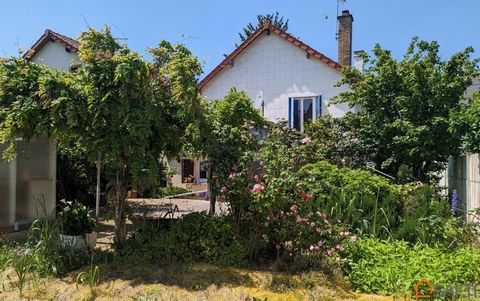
column 318, row 104
column 290, row 111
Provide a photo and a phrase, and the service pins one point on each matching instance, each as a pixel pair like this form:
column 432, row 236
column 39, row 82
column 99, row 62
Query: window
column 187, row 171
column 303, row 110
column 203, row 169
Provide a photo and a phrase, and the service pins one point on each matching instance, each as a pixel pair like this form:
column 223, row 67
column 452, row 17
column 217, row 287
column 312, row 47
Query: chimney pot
column 345, row 38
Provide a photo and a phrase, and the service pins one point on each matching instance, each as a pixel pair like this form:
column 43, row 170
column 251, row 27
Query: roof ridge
column 268, row 26
column 71, row 44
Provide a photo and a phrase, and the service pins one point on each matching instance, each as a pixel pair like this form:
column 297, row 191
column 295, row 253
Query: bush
column 367, row 202
column 170, row 190
column 390, row 268
column 75, row 218
column 194, row 237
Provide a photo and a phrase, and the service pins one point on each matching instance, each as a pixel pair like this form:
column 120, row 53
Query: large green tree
column 129, row 110
column 228, row 131
column 406, row 106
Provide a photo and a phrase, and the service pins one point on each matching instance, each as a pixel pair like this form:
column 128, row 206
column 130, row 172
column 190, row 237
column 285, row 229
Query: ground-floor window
column 303, row 110
column 188, row 171
column 203, row 169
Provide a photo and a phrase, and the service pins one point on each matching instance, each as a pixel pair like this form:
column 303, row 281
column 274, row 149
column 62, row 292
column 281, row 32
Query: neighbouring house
column 284, row 77
column 31, row 177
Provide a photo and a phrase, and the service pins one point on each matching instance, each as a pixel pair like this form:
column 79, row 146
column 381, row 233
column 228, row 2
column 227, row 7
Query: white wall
column 53, row 54
column 280, row 70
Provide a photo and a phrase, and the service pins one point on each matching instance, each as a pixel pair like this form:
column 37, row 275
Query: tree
column 466, row 124
column 274, row 18
column 225, row 135
column 116, row 104
column 407, row 105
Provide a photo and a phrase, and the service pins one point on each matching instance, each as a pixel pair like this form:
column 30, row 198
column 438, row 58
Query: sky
column 209, row 28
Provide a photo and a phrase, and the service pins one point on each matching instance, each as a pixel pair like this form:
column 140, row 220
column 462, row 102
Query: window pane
column 319, row 106
column 203, row 169
column 307, row 110
column 296, row 114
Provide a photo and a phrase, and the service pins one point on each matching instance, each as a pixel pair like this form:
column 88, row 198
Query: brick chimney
column 345, row 38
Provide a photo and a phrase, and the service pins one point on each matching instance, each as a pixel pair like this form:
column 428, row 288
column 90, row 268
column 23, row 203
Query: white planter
column 70, row 241
column 91, row 239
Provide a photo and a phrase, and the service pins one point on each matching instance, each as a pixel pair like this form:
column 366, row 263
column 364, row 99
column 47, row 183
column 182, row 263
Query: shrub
column 75, row 218
column 170, row 190
column 194, row 237
column 390, row 268
column 367, row 202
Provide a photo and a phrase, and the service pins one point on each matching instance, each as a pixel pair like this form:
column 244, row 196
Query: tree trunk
column 97, row 196
column 210, row 189
column 120, row 203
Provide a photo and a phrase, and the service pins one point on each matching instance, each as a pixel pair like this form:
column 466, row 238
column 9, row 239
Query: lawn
column 123, row 280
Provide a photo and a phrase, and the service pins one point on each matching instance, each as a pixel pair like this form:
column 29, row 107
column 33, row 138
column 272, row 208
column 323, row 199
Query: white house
column 31, row 177
column 284, row 77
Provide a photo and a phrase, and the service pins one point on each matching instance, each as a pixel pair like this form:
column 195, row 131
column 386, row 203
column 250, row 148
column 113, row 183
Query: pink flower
column 257, row 188
column 232, row 175
column 277, row 246
column 331, row 251
column 285, row 127
column 294, row 208
column 353, row 238
column 312, row 224
column 308, row 197
column 320, row 243
column 339, row 247
column 298, row 218
column 306, row 140
column 318, row 230
column 256, row 178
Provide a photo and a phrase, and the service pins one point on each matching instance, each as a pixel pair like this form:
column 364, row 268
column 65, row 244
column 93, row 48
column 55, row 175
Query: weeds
column 90, row 277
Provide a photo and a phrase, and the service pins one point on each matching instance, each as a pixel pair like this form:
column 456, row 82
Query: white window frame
column 314, row 110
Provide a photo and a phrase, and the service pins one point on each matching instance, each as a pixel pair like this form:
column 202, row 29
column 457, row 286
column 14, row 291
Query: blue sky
column 209, row 27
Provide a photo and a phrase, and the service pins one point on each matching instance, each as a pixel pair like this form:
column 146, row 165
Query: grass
column 133, row 280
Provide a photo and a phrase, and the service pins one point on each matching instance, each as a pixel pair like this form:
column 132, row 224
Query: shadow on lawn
column 192, row 277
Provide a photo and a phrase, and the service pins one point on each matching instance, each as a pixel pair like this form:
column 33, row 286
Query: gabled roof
column 269, row 27
column 49, row 35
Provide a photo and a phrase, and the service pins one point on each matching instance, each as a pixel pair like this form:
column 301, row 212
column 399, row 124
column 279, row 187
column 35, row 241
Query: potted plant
column 77, row 226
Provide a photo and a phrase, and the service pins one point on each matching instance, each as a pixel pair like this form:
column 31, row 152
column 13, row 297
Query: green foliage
column 22, row 267
column 407, row 106
column 466, row 123
column 336, row 140
column 389, row 268
column 90, row 277
column 274, row 18
column 23, row 112
column 75, row 218
column 366, row 202
column 194, row 237
column 76, row 176
column 170, row 190
column 227, row 133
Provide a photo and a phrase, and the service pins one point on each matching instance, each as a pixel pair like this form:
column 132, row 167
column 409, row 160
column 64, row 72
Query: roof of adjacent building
column 49, row 35
column 268, row 27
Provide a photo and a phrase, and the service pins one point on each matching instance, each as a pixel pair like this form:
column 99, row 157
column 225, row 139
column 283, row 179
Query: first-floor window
column 303, row 110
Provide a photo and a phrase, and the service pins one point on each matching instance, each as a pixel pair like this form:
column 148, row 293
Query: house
column 285, row 78
column 31, row 177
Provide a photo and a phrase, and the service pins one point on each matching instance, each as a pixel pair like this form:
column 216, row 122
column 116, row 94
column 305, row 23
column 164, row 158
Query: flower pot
column 91, row 239
column 75, row 242
column 132, row 194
